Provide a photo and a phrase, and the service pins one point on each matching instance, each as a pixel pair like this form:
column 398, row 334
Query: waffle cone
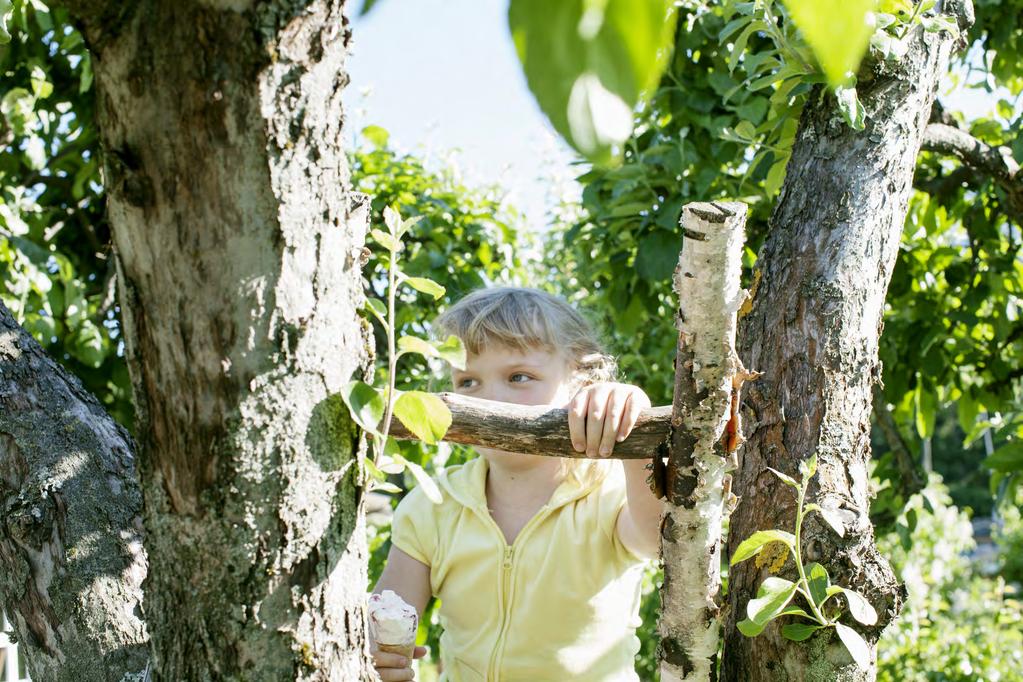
column 405, row 650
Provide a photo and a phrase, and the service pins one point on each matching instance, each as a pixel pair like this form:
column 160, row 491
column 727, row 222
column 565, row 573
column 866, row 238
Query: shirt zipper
column 507, row 569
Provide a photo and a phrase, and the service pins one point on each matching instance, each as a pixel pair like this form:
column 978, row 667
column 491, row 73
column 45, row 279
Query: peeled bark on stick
column 71, row 556
column 707, row 376
column 536, row 429
column 238, row 246
column 813, row 332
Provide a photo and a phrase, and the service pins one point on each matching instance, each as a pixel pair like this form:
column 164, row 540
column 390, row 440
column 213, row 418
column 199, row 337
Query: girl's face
column 533, row 377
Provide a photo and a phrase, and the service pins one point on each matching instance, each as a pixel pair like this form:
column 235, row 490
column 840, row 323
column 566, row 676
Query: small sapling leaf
column 424, row 414
column 752, row 545
column 386, row 240
column 833, row 519
column 860, row 608
column 427, row 286
column 365, row 403
column 854, row 643
column 773, row 596
column 785, row 478
column 425, row 482
column 818, row 582
column 797, row 632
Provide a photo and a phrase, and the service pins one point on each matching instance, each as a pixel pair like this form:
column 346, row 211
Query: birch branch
column 536, row 429
column 708, row 375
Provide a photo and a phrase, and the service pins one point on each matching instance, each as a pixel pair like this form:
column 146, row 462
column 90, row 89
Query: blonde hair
column 527, row 319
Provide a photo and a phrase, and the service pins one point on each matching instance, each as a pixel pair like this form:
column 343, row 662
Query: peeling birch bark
column 536, row 429
column 71, row 556
column 707, row 376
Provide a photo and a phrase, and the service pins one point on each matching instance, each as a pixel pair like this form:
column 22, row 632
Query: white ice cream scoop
column 393, row 623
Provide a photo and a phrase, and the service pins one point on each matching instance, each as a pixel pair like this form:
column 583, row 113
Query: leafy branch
column 372, row 408
column 775, row 594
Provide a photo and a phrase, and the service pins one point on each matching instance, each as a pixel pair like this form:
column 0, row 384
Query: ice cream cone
column 406, row 650
column 393, row 623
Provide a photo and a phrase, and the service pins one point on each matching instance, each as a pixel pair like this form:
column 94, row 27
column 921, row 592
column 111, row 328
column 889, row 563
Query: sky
column 442, row 77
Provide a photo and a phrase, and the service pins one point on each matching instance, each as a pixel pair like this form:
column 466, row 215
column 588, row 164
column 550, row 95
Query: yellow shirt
column 561, row 603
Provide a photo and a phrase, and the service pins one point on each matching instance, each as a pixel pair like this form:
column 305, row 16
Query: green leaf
column 414, row 344
column 837, row 32
column 374, row 471
column 798, row 632
column 386, row 240
column 425, row 482
column 365, row 403
column 752, row 545
column 773, row 596
column 749, row 628
column 424, row 414
column 87, row 345
column 785, row 478
column 384, row 486
column 367, row 5
column 854, row 643
column 453, row 351
column 657, row 255
column 589, row 63
column 378, row 309
column 818, row 581
column 427, row 286
column 926, row 403
column 5, row 8
column 833, row 519
column 860, row 608
column 746, row 130
column 939, row 23
column 1008, row 458
column 377, row 136
column 809, row 467
column 851, row 107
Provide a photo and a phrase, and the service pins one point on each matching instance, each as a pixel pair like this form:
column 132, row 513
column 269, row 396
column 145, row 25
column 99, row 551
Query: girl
column 537, row 561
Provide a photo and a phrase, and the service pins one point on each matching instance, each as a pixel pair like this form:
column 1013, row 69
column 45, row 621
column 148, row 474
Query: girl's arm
column 639, row 524
column 599, row 416
column 410, row 580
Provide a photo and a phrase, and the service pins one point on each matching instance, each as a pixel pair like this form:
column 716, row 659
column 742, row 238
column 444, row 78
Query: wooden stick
column 537, row 429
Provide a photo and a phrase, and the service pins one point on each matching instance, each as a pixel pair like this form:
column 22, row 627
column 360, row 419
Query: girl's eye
column 465, row 383
column 519, row 378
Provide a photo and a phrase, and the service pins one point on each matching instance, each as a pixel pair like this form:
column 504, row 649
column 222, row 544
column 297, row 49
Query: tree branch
column 996, row 163
column 536, row 429
column 909, row 476
column 71, row 557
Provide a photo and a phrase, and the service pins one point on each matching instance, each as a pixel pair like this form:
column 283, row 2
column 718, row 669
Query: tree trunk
column 71, row 557
column 238, row 244
column 707, row 375
column 813, row 332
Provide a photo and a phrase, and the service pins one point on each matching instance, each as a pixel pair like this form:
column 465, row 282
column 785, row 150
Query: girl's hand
column 602, row 414
column 394, row 667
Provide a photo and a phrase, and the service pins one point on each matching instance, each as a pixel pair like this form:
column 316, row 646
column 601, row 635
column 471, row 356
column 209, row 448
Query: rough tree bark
column 71, row 557
column 707, row 376
column 813, row 331
column 238, row 248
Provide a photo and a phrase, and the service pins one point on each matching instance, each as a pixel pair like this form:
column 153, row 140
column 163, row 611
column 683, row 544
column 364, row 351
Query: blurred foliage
column 958, row 624
column 56, row 269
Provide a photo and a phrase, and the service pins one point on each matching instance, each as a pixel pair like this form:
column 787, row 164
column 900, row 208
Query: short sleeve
column 414, row 527
column 612, row 500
